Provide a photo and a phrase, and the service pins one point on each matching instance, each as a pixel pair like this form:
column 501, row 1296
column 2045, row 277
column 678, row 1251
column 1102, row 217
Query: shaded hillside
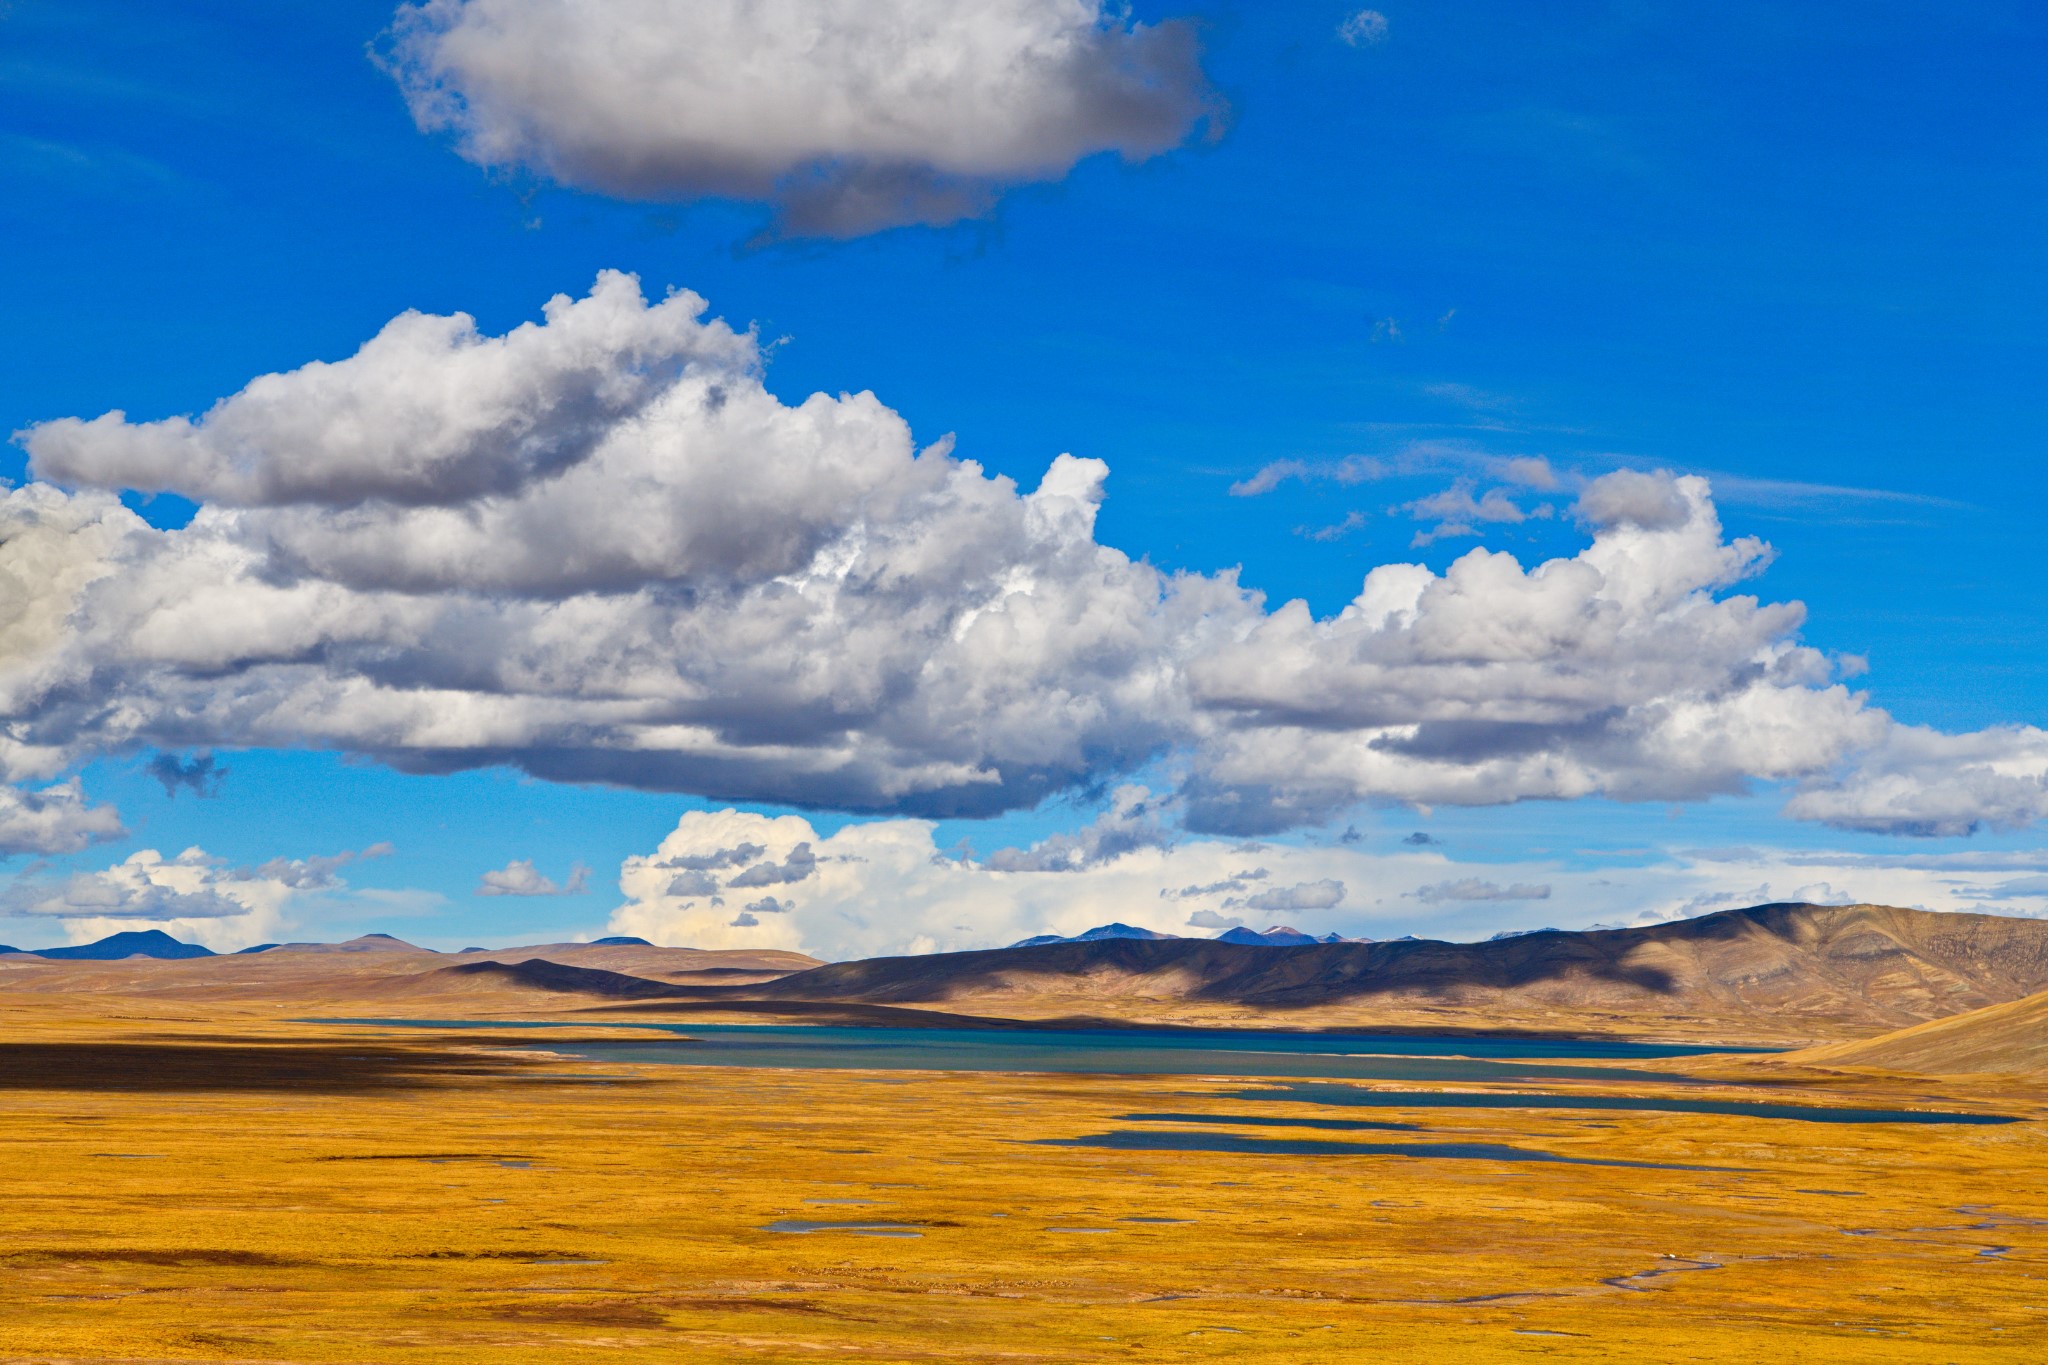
column 593, row 989
column 2008, row 1037
column 703, row 966
column 540, row 974
column 1862, row 966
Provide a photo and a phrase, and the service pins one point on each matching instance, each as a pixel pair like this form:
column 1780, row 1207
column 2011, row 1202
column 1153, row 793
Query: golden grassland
column 210, row 1186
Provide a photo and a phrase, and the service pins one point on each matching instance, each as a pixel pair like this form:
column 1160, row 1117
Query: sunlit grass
column 423, row 1203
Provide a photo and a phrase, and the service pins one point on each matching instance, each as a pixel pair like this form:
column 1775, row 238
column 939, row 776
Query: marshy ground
column 186, row 1187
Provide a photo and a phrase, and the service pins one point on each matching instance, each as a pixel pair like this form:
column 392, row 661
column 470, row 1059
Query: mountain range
column 1772, row 970
column 1785, row 974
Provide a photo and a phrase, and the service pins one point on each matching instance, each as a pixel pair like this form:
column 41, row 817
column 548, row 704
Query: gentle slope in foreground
column 2012, row 1037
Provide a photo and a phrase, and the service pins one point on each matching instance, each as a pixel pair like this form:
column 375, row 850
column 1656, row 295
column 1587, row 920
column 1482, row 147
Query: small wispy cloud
column 1353, row 521
column 1791, row 493
column 1318, row 895
column 1364, row 29
column 1456, row 512
column 1473, row 889
column 1349, row 471
column 518, row 878
column 1468, row 396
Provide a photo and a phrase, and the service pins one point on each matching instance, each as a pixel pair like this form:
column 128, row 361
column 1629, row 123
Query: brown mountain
column 1790, row 972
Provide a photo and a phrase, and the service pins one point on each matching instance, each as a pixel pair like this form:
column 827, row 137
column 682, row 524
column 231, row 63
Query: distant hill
column 1279, row 936
column 367, row 943
column 132, row 943
column 1095, row 935
column 1773, row 969
column 2008, row 1037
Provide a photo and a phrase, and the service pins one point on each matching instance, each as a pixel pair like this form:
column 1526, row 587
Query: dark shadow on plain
column 332, row 1069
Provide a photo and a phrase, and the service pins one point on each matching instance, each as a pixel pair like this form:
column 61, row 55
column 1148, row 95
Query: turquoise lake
column 1301, row 1058
column 1141, row 1052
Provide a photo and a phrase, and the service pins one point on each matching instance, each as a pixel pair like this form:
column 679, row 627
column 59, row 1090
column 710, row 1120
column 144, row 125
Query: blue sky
column 1793, row 250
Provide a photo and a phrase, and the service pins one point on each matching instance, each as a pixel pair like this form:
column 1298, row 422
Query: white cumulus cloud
column 600, row 549
column 1318, row 895
column 1923, row 782
column 56, row 819
column 882, row 886
column 1622, row 671
column 518, row 878
column 846, row 115
column 193, row 895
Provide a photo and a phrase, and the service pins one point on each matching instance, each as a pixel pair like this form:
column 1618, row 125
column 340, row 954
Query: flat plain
column 190, row 1180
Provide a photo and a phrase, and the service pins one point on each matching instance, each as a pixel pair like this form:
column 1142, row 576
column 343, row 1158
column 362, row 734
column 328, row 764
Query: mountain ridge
column 1860, row 966
column 1782, row 974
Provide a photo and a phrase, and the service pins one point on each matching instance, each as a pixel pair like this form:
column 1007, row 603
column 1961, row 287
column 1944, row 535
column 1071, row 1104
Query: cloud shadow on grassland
column 170, row 1067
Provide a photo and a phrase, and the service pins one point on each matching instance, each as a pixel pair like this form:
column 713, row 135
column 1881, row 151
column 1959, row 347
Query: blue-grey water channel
column 1247, row 1053
column 1143, row 1052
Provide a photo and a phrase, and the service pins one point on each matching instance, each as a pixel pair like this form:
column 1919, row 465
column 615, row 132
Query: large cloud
column 56, row 819
column 600, row 549
column 1618, row 671
column 882, row 886
column 847, row 115
column 1920, row 781
column 714, row 591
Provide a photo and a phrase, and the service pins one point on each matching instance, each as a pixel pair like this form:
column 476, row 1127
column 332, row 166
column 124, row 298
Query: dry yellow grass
column 2010, row 1037
column 212, row 1187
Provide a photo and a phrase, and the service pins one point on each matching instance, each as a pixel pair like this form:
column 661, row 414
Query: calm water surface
column 1190, row 1052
